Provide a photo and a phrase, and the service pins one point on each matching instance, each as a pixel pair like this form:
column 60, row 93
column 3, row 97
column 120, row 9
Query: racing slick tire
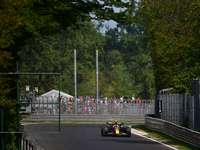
column 128, row 132
column 105, row 131
column 102, row 128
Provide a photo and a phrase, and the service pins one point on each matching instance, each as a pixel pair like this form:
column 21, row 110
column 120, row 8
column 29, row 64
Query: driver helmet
column 116, row 122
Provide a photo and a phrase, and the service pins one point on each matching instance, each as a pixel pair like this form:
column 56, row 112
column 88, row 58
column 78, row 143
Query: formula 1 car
column 116, row 129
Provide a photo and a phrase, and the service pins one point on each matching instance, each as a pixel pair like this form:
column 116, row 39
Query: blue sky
column 111, row 24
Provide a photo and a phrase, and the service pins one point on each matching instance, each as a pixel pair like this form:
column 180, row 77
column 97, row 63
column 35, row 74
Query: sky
column 111, row 24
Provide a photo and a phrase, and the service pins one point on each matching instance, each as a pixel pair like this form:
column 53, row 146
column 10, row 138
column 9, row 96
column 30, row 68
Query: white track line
column 154, row 140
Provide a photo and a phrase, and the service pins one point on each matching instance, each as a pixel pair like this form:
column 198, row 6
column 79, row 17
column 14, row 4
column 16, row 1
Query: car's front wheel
column 105, row 131
column 128, row 132
column 102, row 128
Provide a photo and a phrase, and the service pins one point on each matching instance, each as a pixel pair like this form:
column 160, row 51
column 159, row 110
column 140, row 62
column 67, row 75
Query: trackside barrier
column 81, row 118
column 173, row 130
column 179, row 109
column 27, row 143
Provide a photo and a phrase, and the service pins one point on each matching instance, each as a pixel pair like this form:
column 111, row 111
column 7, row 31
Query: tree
column 56, row 54
column 23, row 20
column 171, row 42
column 113, row 70
column 129, row 39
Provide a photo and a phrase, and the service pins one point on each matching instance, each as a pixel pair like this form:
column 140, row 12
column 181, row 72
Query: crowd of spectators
column 87, row 104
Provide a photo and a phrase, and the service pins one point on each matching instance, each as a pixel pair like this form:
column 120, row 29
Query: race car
column 116, row 129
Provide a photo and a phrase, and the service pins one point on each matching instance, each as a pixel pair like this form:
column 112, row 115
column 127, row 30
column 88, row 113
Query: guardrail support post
column 2, row 139
column 18, row 110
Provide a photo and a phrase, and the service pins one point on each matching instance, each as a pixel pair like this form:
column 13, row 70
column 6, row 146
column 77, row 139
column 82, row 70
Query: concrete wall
column 80, row 118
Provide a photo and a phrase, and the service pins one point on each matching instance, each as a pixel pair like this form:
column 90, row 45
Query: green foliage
column 5, row 63
column 127, row 52
column 24, row 19
column 28, row 24
column 9, row 123
column 123, row 70
column 172, row 33
column 27, row 20
column 114, row 69
column 56, row 54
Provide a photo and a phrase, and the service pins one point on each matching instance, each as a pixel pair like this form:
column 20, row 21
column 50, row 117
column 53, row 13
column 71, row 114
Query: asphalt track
column 86, row 137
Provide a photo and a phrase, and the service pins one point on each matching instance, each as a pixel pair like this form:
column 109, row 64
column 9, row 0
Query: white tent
column 51, row 96
column 55, row 94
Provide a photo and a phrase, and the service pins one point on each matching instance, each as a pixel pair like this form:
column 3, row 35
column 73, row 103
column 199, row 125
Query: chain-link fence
column 87, row 107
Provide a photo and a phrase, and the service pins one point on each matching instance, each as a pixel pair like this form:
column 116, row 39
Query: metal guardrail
column 173, row 130
column 27, row 143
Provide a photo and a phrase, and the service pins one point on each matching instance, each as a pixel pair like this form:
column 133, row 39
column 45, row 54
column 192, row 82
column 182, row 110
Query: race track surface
column 86, row 137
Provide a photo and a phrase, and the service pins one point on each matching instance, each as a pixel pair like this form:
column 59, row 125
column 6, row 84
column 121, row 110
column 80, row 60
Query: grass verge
column 166, row 139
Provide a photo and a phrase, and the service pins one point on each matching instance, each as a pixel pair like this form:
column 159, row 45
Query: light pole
column 97, row 82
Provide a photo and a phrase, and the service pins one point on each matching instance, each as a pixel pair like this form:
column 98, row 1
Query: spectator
column 106, row 101
column 138, row 100
column 115, row 101
column 111, row 100
column 121, row 99
column 133, row 98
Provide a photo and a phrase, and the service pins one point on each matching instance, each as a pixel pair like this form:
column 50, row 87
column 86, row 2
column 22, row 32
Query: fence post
column 174, row 107
column 191, row 113
column 83, row 106
column 185, row 102
column 181, row 111
column 43, row 105
column 195, row 91
column 87, row 105
column 26, row 144
column 157, row 97
column 132, row 106
column 165, row 103
column 52, row 107
column 76, row 104
column 2, row 138
column 178, row 104
column 39, row 107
